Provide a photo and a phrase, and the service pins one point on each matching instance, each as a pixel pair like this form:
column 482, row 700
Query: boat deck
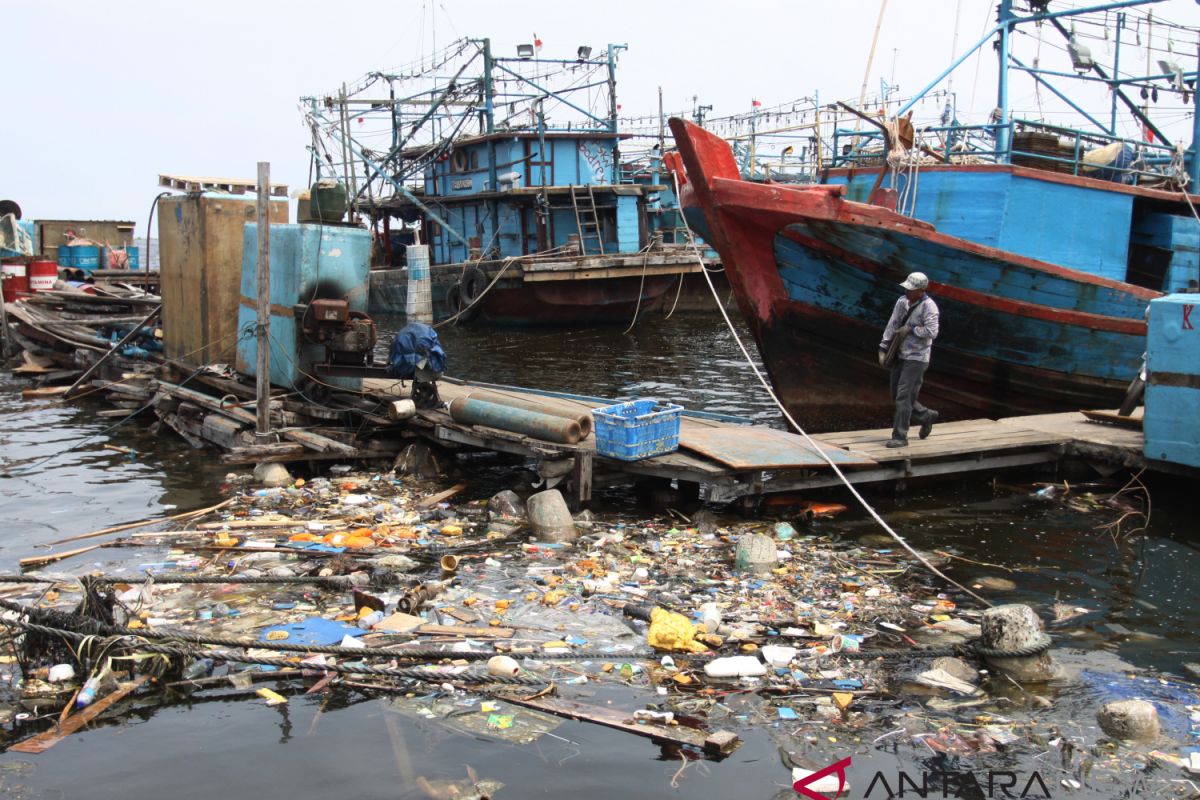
column 731, row 460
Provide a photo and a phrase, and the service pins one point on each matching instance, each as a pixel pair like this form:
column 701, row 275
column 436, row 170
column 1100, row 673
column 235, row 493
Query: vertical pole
column 1193, row 165
column 612, row 111
column 1116, row 72
column 1002, row 132
column 661, row 125
column 489, row 107
column 263, row 274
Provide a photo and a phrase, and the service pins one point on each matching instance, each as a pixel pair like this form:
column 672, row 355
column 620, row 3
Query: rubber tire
column 470, row 288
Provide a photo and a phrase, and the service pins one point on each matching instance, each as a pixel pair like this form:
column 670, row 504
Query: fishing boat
column 518, row 183
column 1043, row 247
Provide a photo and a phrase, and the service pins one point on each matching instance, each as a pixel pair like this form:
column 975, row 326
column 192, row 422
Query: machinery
column 348, row 337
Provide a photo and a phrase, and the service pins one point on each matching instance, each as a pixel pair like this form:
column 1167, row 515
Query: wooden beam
column 719, row 743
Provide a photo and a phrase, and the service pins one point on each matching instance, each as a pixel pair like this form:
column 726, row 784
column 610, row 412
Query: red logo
column 1187, row 317
column 801, row 786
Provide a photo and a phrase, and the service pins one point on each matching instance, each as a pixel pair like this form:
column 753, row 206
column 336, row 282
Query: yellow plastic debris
column 843, row 700
column 272, row 698
column 672, row 632
column 277, row 636
column 451, row 530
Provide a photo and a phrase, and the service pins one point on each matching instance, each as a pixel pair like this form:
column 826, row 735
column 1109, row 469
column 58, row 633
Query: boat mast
column 1004, row 17
column 1194, row 161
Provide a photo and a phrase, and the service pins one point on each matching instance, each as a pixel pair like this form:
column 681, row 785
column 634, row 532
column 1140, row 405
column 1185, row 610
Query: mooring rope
column 811, row 442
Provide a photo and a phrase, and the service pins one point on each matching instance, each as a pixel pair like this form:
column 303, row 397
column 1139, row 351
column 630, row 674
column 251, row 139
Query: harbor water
column 1132, row 599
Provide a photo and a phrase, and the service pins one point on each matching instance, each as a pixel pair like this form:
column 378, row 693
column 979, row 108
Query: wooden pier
column 731, row 460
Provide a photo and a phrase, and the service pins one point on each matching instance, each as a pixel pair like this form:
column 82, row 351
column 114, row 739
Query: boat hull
column 816, row 277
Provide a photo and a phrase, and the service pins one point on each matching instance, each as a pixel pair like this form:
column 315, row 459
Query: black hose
column 149, row 222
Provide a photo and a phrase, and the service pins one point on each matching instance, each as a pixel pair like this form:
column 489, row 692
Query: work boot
column 927, row 425
column 894, row 443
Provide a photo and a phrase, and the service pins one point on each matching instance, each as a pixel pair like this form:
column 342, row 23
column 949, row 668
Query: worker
column 913, row 327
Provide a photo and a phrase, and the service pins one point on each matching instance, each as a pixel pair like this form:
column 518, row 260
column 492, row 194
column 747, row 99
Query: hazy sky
column 103, row 96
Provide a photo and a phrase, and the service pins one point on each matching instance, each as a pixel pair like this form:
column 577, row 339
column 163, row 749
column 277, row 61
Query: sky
column 103, row 97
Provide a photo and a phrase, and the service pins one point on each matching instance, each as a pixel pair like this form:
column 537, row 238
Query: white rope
column 813, row 444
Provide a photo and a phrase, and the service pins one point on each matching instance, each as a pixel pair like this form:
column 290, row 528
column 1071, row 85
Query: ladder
column 587, row 221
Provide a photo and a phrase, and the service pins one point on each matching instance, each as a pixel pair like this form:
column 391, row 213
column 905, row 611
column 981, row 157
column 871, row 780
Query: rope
column 817, row 448
column 133, row 643
column 336, row 580
column 94, row 628
column 508, row 262
column 1043, row 644
column 641, row 287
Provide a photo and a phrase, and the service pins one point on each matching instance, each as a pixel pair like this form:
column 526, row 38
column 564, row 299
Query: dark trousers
column 906, row 383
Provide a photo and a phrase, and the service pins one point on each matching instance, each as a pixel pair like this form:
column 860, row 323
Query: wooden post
column 263, row 385
column 581, row 478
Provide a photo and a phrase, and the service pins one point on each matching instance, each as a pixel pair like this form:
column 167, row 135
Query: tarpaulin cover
column 415, row 343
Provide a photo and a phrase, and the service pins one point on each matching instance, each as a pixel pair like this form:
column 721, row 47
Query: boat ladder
column 587, row 221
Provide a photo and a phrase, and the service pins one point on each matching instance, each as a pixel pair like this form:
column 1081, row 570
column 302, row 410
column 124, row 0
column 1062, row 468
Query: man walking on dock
column 915, row 321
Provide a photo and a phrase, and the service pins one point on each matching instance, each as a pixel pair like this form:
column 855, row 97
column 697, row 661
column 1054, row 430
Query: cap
column 916, row 280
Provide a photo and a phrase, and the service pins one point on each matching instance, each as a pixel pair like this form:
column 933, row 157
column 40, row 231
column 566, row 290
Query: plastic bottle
column 710, row 616
column 88, row 693
column 371, row 620
column 198, row 669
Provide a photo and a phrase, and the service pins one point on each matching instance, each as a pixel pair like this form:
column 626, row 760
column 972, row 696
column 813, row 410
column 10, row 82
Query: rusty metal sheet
column 763, row 448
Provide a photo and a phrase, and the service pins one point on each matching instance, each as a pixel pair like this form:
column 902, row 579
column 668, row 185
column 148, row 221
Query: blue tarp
column 314, row 630
column 415, row 343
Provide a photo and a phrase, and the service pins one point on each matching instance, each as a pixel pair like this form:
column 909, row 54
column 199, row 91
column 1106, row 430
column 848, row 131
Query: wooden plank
column 309, row 439
column 434, row 499
column 466, row 631
column 144, row 523
column 717, row 743
column 757, row 447
column 44, row 741
column 38, row 561
column 610, row 273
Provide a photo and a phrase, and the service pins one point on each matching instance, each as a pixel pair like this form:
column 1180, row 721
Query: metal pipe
column 540, row 406
column 530, row 423
column 262, row 393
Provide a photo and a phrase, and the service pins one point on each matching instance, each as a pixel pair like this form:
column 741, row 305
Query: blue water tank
column 85, row 257
column 308, row 261
column 1172, row 421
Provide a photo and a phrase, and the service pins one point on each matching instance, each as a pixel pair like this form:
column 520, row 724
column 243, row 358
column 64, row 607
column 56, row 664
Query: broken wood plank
column 39, row 561
column 44, row 391
column 717, row 743
column 309, row 439
column 466, row 631
column 47, row 739
column 434, row 499
column 143, row 523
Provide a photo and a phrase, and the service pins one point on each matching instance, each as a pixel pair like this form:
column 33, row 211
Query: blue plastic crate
column 637, row 429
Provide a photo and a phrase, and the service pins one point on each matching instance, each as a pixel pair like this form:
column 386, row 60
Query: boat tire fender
column 472, row 286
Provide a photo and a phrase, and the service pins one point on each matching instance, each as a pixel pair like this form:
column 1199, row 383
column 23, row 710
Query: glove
column 882, row 358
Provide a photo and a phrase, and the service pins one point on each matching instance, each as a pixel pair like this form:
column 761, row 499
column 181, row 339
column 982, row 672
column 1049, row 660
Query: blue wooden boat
column 1042, row 262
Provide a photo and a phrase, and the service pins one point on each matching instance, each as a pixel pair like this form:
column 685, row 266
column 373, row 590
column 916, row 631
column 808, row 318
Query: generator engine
column 347, row 336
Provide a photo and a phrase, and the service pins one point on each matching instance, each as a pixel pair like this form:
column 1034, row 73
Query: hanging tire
column 470, row 289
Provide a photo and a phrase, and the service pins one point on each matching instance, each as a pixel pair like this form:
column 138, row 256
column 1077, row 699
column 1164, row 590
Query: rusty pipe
column 530, row 423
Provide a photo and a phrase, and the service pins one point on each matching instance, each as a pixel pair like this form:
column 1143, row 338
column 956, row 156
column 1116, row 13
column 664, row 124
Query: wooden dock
column 731, row 460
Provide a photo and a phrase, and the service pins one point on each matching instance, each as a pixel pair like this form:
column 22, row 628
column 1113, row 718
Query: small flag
column 755, row 103
column 537, row 44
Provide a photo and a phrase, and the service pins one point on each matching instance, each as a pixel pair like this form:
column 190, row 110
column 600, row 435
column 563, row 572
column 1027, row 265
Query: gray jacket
column 922, row 329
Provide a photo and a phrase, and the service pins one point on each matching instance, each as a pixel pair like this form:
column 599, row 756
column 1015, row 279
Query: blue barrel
column 1172, row 416
column 86, row 257
column 135, row 259
column 66, row 255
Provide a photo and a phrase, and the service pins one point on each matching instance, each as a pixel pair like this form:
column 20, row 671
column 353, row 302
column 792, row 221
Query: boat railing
column 1060, row 149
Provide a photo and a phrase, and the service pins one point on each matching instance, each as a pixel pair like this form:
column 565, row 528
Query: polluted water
column 361, row 631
